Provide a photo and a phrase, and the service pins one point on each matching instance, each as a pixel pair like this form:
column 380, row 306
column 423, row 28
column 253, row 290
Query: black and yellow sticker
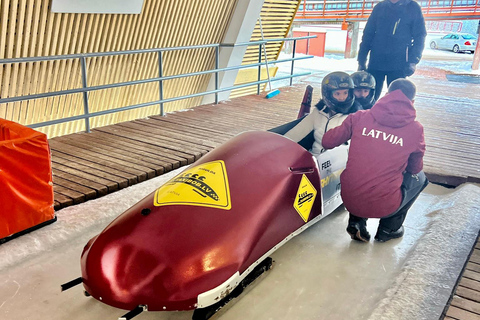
column 204, row 185
column 305, row 197
column 335, row 176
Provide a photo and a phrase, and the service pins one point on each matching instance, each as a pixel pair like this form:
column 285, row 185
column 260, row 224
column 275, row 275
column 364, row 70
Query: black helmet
column 364, row 80
column 337, row 81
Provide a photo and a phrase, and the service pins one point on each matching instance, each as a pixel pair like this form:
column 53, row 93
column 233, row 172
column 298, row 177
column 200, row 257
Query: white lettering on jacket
column 377, row 134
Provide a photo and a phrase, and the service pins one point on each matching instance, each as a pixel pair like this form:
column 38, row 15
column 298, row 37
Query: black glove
column 362, row 67
column 410, row 69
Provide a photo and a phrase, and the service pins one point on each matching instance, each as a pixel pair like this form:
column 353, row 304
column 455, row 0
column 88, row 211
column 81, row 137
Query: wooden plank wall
column 28, row 29
column 277, row 18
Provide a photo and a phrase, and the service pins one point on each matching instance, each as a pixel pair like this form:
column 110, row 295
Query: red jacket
column 385, row 141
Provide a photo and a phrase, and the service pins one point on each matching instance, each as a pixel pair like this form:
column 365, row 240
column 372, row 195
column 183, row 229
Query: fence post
column 216, row 73
column 259, row 67
column 293, row 61
column 85, row 93
column 160, row 74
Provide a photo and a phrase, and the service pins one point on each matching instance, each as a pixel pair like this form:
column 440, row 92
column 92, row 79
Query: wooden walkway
column 87, row 166
column 465, row 302
column 90, row 165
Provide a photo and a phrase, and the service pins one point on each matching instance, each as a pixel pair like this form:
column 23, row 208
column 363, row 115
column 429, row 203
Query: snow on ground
column 335, row 46
column 459, row 63
column 435, row 63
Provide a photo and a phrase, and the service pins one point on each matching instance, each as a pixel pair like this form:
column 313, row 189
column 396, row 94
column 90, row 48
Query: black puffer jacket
column 394, row 35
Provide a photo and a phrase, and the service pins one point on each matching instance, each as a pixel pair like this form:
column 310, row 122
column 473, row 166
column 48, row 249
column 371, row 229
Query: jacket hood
column 394, row 110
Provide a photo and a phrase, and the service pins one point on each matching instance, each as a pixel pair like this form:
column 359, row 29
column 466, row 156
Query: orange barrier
column 26, row 188
column 314, row 46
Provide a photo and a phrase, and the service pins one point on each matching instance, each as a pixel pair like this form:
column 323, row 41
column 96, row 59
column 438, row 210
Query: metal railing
column 85, row 89
column 361, row 9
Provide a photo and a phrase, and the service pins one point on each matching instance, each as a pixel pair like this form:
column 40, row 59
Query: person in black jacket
column 395, row 37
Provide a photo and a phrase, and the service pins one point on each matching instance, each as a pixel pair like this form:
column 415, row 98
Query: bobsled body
column 189, row 243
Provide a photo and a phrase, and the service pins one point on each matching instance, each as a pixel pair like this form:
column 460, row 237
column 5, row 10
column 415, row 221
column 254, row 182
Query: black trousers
column 380, row 76
column 412, row 186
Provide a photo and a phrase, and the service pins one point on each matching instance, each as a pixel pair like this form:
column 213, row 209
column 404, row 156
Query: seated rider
column 336, row 103
column 364, row 89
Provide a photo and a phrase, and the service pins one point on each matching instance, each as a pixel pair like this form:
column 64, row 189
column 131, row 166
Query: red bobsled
column 192, row 241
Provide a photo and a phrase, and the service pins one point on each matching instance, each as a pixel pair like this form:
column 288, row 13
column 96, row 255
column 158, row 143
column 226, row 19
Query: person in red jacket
column 383, row 176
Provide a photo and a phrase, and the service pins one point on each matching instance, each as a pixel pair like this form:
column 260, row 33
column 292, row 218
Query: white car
column 456, row 42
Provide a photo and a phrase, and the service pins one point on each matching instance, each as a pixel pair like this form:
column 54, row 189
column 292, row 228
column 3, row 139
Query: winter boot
column 384, row 235
column 358, row 231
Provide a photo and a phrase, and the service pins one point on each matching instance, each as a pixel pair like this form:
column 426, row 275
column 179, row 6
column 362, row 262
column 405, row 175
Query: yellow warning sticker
column 305, row 197
column 204, row 185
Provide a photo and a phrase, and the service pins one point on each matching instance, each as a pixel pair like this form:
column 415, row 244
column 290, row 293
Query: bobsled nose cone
column 126, row 269
column 120, row 273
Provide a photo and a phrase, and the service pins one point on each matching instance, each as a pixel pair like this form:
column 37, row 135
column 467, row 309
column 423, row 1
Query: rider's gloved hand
column 362, row 66
column 411, row 67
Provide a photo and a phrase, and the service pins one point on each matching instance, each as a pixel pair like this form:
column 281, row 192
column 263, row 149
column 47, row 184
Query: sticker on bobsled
column 205, row 185
column 305, row 197
column 332, row 164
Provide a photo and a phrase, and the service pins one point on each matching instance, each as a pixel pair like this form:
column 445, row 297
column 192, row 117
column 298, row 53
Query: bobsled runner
column 201, row 236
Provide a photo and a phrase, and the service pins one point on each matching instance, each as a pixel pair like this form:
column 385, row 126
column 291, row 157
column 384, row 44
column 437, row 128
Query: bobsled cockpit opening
column 306, row 142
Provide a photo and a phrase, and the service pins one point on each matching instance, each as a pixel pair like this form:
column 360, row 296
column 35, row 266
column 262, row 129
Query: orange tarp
column 26, row 188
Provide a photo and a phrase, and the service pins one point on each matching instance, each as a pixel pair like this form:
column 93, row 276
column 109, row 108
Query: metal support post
column 476, row 56
column 160, row 82
column 293, row 61
column 85, row 93
column 259, row 67
column 217, row 62
column 352, row 40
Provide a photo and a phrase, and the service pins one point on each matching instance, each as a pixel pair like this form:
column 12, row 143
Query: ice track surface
column 320, row 274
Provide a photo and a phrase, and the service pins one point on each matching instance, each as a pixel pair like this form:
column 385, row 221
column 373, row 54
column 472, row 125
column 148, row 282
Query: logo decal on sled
column 204, row 185
column 305, row 197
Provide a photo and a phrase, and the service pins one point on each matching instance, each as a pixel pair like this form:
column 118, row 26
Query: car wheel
column 456, row 48
column 433, row 45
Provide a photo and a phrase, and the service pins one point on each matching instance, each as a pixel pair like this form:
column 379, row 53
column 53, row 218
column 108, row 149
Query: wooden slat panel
column 62, row 200
column 473, row 266
column 28, row 28
column 89, row 193
column 468, row 293
column 471, row 284
column 460, row 314
column 277, row 17
column 130, row 173
column 467, row 305
column 111, row 185
column 3, row 45
column 120, row 150
column 476, row 253
column 123, row 180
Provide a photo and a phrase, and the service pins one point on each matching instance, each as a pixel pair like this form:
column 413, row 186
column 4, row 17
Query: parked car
column 456, row 42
